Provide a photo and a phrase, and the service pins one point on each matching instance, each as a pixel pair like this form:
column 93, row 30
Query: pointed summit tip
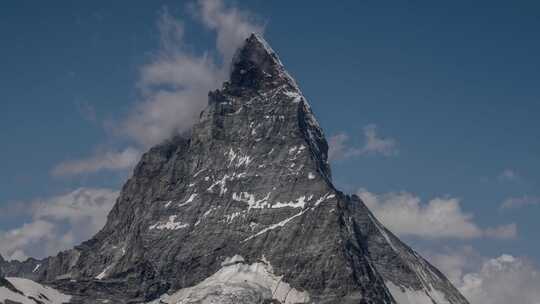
column 256, row 38
column 256, row 65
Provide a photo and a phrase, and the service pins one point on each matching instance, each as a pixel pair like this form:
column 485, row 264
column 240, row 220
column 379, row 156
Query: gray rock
column 251, row 179
column 2, row 263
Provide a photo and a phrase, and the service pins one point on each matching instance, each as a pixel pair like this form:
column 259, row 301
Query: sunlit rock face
column 243, row 210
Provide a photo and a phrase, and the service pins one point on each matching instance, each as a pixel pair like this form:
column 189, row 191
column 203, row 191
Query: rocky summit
column 242, row 210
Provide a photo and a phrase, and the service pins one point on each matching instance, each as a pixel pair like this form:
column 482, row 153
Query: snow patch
column 171, row 224
column 275, row 226
column 198, row 172
column 189, row 200
column 238, row 282
column 292, row 150
column 287, row 220
column 31, row 289
column 236, row 159
column 251, row 201
column 230, row 217
column 222, row 183
column 207, row 213
column 102, row 275
column 323, row 198
column 294, row 95
column 299, row 203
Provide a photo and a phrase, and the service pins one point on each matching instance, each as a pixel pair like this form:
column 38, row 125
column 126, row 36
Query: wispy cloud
column 231, row 25
column 520, row 202
column 405, row 214
column 378, row 145
column 509, row 231
column 58, row 223
column 87, row 111
column 107, row 160
column 174, row 86
column 340, row 147
column 508, row 175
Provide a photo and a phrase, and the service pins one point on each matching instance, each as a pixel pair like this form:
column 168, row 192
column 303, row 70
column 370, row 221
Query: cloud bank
column 503, row 280
column 500, row 280
column 405, row 214
column 58, row 223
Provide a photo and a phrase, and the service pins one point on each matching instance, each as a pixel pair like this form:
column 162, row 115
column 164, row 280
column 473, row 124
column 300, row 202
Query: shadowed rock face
column 2, row 262
column 250, row 180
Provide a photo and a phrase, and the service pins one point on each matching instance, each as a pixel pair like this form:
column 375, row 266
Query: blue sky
column 451, row 89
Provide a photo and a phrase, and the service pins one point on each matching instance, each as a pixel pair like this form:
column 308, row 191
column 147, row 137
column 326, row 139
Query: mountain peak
column 255, row 65
column 243, row 211
column 256, row 50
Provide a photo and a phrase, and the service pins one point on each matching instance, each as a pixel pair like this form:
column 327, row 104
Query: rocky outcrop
column 250, row 181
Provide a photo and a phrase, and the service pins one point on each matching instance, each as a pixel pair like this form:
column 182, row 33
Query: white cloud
column 175, row 84
column 174, row 88
column 122, row 160
column 13, row 242
column 519, row 202
column 84, row 205
column 405, row 214
column 58, row 223
column 232, row 25
column 339, row 147
column 378, row 145
column 508, row 175
column 502, row 280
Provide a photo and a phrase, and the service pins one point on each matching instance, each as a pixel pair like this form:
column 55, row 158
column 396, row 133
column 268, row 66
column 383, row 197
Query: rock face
column 243, row 210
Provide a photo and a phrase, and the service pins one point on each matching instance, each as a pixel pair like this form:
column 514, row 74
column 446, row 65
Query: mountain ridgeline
column 242, row 210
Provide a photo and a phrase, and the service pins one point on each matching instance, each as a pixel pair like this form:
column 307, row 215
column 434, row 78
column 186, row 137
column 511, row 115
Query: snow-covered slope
column 24, row 291
column 239, row 283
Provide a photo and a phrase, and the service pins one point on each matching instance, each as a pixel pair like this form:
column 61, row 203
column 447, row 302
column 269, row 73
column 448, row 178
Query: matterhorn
column 242, row 209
